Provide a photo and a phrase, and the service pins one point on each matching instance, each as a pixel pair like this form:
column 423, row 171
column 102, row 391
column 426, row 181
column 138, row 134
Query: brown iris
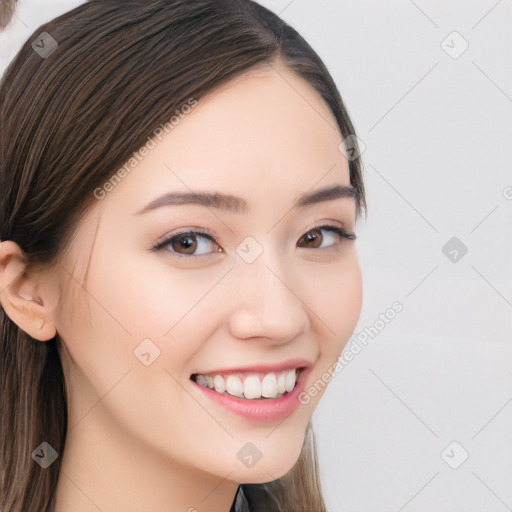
column 187, row 243
column 310, row 236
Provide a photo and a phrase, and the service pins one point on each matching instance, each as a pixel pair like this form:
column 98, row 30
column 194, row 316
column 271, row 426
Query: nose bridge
column 266, row 305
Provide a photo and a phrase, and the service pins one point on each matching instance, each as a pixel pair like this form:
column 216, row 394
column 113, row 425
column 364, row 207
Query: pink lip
column 263, row 409
column 263, row 368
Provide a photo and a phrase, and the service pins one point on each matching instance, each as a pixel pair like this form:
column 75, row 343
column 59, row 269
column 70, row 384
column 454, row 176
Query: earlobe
column 19, row 297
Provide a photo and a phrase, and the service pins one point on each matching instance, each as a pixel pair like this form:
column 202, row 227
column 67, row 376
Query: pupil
column 311, row 237
column 187, row 243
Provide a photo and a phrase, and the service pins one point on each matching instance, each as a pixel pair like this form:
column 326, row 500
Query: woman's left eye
column 195, row 243
column 312, row 235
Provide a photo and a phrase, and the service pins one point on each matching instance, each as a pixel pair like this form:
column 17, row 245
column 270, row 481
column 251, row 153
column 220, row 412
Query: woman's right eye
column 187, row 243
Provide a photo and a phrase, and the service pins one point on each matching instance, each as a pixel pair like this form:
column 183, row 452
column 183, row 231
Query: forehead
column 266, row 136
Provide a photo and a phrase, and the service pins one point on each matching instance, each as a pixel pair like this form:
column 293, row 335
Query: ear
column 20, row 294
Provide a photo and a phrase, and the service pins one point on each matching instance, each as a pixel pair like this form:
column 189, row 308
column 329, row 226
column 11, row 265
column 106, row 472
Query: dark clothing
column 251, row 497
column 240, row 503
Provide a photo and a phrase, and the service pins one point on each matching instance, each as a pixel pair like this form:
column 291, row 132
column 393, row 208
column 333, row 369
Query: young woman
column 177, row 259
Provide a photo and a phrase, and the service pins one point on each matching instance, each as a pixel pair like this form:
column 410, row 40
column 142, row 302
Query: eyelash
column 162, row 243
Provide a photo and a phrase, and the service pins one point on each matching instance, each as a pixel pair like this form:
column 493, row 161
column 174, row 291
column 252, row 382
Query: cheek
column 128, row 300
column 122, row 308
column 148, row 296
column 337, row 297
column 337, row 300
column 154, row 301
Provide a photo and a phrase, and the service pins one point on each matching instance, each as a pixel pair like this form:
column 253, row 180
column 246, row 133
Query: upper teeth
column 268, row 385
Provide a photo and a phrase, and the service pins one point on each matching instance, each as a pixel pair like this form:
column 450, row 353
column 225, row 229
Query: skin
column 143, row 437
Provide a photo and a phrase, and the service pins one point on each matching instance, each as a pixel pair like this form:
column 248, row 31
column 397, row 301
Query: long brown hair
column 111, row 71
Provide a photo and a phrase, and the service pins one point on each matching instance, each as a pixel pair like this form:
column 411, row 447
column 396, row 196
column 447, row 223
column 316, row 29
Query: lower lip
column 266, row 409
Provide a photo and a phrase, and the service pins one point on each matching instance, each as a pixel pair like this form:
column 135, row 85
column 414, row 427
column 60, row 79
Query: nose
column 266, row 303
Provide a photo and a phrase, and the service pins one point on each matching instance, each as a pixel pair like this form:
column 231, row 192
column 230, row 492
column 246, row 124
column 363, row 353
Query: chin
column 272, row 466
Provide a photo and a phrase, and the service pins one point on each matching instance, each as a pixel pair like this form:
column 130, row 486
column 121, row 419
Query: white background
column 437, row 132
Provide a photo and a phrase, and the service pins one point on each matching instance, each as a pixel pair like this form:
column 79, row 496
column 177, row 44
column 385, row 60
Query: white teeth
column 281, row 383
column 252, row 387
column 234, row 386
column 290, row 380
column 269, row 385
column 201, row 379
column 219, row 384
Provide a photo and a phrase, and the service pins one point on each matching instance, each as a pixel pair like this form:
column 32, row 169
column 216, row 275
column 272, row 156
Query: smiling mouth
column 251, row 386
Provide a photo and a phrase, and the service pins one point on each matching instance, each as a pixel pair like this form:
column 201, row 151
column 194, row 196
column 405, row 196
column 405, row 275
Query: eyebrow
column 231, row 203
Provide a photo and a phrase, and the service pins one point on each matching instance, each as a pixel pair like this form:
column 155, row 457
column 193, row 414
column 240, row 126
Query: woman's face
column 267, row 289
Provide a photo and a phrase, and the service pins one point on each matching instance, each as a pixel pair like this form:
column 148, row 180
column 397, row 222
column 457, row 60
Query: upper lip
column 289, row 364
